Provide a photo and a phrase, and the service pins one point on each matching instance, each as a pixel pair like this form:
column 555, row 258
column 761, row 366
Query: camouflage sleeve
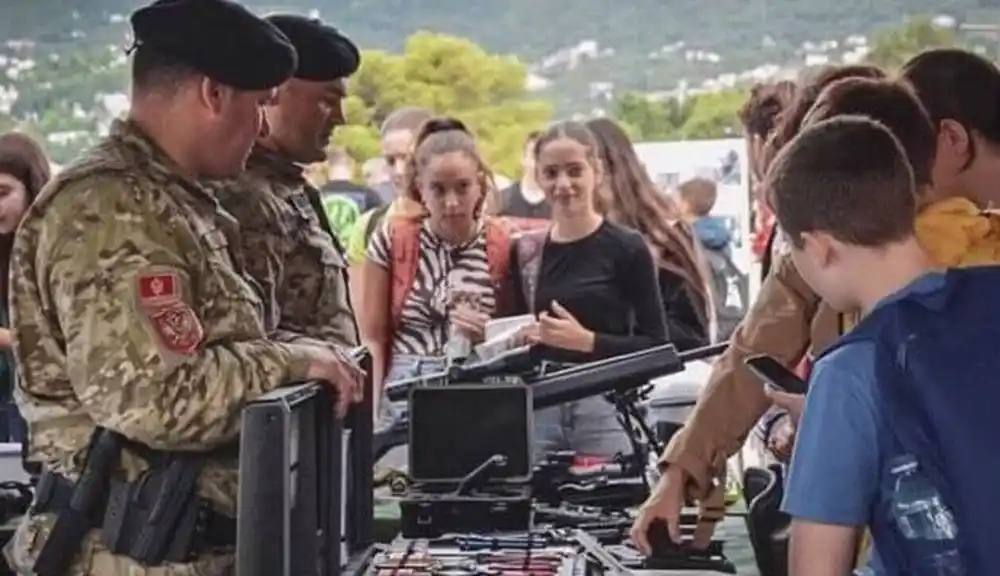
column 154, row 373
column 262, row 234
column 261, row 231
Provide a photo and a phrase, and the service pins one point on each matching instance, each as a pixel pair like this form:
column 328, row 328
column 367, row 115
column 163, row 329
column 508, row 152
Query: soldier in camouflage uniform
column 291, row 250
column 130, row 309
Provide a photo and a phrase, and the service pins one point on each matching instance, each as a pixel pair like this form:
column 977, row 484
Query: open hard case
column 471, row 460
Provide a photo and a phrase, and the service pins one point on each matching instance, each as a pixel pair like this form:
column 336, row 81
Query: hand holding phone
column 775, row 374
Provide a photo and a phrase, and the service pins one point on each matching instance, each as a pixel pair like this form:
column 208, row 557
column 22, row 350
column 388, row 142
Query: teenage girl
column 594, row 289
column 448, row 288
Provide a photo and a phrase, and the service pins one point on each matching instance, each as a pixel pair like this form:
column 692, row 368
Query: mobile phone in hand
column 775, row 374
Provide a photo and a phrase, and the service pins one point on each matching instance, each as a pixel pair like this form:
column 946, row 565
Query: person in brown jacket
column 959, row 90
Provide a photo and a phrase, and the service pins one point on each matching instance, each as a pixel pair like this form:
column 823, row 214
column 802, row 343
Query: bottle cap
column 905, row 463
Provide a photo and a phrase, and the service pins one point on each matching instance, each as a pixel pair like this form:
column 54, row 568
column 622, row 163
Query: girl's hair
column 961, row 86
column 409, row 119
column 890, row 103
column 790, row 119
column 760, row 112
column 573, row 130
column 635, row 202
column 24, row 159
column 445, row 135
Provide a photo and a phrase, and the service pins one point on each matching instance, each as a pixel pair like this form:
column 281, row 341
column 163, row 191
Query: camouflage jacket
column 291, row 252
column 131, row 312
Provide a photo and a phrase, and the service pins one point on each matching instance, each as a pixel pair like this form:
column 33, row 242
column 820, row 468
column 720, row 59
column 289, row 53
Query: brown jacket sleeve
column 778, row 324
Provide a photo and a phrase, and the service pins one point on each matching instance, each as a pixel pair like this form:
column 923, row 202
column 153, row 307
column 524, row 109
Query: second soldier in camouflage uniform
column 291, row 251
column 129, row 307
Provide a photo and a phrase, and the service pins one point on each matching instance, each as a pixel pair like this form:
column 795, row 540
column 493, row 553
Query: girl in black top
column 24, row 169
column 596, row 289
column 630, row 198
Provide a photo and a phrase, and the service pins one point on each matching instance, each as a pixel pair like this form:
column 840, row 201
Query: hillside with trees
column 533, row 29
column 65, row 64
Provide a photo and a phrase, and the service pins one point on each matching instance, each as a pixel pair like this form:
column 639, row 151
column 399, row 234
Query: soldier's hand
column 337, row 370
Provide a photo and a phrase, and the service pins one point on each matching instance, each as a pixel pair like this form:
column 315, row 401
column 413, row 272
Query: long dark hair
column 635, row 202
column 444, row 135
column 24, row 159
column 961, row 86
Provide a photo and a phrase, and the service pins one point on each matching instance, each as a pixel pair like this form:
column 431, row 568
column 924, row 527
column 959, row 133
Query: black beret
column 324, row 53
column 220, row 39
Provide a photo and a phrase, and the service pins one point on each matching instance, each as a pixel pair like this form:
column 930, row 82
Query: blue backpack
column 938, row 368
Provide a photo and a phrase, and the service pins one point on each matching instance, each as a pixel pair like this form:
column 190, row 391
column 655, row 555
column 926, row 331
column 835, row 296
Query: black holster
column 79, row 506
column 159, row 517
column 155, row 519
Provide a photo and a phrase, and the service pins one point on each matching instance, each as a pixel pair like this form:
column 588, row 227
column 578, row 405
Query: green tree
column 697, row 117
column 713, row 115
column 652, row 119
column 892, row 48
column 448, row 75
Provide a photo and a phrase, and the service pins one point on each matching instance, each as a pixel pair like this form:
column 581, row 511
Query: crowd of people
column 188, row 264
column 881, row 183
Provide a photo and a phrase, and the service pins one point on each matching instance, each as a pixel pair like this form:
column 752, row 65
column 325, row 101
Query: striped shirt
column 445, row 273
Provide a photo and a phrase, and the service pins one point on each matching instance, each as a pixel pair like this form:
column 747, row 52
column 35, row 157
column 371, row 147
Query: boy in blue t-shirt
column 844, row 195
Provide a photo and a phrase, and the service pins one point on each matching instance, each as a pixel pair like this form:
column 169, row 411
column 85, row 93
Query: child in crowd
column 895, row 434
column 696, row 199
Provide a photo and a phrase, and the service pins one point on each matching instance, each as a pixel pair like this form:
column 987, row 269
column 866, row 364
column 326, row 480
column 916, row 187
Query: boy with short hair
column 891, row 432
column 696, row 199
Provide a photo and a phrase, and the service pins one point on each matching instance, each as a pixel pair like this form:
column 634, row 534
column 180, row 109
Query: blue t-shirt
column 837, row 467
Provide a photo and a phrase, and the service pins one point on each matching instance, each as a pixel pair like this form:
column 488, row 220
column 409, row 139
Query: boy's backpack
column 936, row 368
column 404, row 244
column 730, row 292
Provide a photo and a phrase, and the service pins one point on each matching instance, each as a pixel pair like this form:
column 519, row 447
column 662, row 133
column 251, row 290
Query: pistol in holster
column 155, row 519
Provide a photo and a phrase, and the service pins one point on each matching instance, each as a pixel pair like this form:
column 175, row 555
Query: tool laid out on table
column 600, row 554
column 487, row 563
column 524, row 541
column 462, row 554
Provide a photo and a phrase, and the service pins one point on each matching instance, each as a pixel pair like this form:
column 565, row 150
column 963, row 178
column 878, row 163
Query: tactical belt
column 215, row 530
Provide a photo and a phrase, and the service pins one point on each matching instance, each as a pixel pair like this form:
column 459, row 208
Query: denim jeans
column 588, row 427
column 12, row 425
column 403, row 367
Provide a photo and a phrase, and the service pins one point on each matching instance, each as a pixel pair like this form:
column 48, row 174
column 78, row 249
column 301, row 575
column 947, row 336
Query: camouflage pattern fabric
column 131, row 312
column 291, row 252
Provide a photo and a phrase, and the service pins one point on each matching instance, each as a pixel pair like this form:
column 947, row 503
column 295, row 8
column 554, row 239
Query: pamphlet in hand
column 500, row 335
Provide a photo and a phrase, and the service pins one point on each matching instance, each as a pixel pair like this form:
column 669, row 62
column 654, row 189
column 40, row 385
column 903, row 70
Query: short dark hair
column 847, row 177
column 892, row 103
column 152, row 70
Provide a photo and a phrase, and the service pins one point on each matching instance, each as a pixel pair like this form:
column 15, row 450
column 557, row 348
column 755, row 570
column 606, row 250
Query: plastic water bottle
column 458, row 347
column 923, row 517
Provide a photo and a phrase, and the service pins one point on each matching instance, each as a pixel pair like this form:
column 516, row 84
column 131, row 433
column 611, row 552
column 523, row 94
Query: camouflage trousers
column 93, row 559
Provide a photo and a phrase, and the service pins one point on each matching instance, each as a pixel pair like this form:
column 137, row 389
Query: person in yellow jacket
column 959, row 91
